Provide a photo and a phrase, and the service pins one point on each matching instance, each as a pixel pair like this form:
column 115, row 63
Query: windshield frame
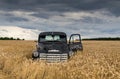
column 53, row 36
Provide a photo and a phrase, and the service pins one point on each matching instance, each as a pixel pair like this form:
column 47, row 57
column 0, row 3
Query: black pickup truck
column 55, row 47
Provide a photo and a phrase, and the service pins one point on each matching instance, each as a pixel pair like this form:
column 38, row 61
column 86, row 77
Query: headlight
column 35, row 54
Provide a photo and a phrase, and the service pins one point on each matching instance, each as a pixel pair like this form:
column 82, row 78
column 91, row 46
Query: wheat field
column 99, row 60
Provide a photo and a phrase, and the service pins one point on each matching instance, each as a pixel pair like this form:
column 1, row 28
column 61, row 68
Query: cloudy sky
column 90, row 18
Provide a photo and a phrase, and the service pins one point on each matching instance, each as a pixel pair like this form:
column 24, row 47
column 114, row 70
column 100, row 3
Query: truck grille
column 53, row 57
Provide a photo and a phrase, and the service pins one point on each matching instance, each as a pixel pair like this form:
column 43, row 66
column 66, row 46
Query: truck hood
column 54, row 47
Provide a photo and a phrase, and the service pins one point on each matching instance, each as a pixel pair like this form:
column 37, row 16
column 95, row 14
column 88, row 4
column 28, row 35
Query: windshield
column 47, row 38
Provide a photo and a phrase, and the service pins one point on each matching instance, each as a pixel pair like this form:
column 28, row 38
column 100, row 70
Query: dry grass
column 99, row 60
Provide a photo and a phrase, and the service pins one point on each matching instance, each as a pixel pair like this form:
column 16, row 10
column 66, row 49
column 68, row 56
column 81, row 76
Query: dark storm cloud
column 92, row 20
column 89, row 17
column 18, row 19
column 62, row 5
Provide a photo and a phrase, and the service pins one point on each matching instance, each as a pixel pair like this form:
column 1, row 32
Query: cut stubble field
column 99, row 60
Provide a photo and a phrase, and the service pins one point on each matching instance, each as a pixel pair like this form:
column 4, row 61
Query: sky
column 90, row 18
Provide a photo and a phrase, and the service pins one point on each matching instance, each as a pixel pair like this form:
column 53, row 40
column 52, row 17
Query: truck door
column 75, row 43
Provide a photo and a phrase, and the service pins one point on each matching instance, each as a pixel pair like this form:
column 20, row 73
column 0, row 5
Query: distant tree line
column 109, row 38
column 10, row 38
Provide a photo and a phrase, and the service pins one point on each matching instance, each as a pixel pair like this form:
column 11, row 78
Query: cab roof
column 52, row 33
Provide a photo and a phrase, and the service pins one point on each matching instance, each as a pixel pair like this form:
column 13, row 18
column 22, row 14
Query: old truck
column 55, row 47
